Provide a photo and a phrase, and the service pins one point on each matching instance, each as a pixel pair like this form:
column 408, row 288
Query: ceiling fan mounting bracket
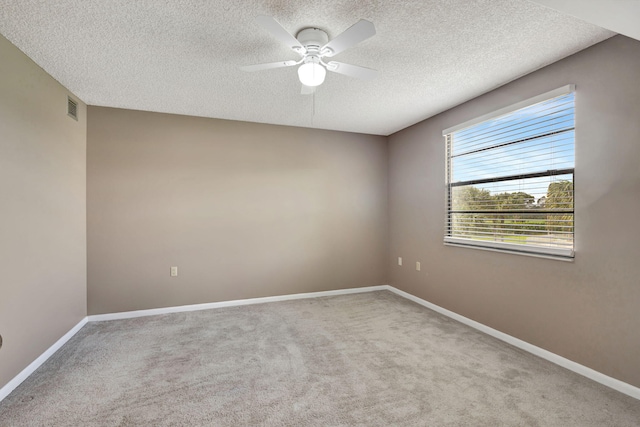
column 331, row 66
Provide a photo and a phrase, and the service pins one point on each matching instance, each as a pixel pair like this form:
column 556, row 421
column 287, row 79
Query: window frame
column 566, row 254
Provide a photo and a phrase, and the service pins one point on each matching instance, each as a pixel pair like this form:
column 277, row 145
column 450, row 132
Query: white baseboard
column 207, row 306
column 601, row 378
column 596, row 376
column 24, row 374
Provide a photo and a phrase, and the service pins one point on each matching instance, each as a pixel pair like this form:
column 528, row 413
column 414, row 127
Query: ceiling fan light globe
column 311, row 74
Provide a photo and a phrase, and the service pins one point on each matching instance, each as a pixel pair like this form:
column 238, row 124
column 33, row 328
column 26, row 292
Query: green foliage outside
column 503, row 225
column 560, row 196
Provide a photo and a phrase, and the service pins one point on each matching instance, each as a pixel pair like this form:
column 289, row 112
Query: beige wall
column 42, row 212
column 587, row 311
column 243, row 209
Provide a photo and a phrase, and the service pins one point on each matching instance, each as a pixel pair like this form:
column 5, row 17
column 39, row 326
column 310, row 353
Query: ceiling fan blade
column 278, row 31
column 353, row 35
column 352, row 70
column 268, row 66
column 307, row 90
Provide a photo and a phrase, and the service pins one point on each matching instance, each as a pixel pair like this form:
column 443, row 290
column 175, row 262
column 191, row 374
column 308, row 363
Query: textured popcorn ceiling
column 621, row 16
column 183, row 56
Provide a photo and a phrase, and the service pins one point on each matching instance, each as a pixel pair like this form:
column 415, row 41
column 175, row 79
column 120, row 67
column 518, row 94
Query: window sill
column 512, row 252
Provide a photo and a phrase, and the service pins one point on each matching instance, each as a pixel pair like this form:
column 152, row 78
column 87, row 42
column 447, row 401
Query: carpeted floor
column 371, row 359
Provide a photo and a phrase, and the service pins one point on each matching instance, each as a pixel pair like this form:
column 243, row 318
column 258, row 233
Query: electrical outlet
column 418, row 266
column 399, row 260
column 174, row 271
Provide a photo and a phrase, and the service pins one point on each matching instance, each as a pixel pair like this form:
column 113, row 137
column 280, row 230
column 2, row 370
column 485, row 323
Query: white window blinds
column 510, row 178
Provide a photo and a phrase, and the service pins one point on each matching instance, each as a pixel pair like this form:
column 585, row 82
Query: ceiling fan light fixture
column 311, row 74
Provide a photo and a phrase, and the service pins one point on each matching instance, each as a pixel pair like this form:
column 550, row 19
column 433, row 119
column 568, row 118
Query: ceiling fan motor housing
column 312, row 39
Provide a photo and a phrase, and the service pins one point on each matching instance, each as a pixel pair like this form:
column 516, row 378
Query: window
column 510, row 178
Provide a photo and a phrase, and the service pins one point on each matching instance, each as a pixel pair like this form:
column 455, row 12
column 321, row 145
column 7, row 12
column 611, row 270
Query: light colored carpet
column 371, row 359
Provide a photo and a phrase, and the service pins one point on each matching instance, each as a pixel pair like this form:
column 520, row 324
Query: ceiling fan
column 313, row 45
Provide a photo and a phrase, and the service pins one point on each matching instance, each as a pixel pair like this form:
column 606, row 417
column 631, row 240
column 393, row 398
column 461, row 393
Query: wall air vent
column 72, row 108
